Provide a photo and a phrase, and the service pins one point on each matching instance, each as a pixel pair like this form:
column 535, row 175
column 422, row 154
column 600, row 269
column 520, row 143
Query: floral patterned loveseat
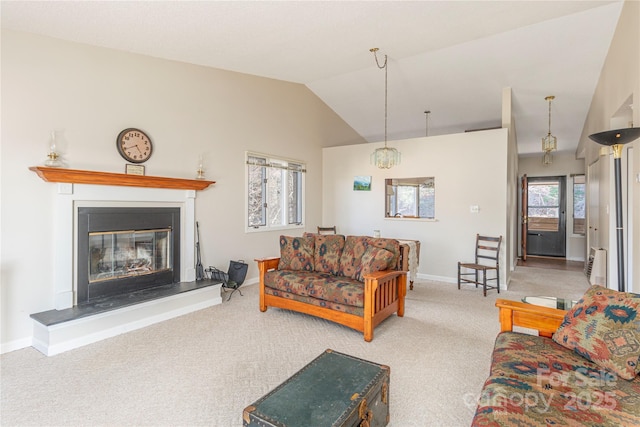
column 582, row 369
column 354, row 280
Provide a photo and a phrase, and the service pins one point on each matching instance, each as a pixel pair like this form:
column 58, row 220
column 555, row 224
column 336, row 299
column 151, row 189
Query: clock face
column 134, row 145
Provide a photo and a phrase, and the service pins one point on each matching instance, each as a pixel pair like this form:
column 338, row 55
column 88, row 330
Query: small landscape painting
column 361, row 183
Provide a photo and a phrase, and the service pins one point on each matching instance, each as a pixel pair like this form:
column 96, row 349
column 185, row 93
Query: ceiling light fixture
column 549, row 142
column 384, row 158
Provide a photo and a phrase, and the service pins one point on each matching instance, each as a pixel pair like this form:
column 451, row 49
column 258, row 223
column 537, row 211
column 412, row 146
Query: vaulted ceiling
column 452, row 58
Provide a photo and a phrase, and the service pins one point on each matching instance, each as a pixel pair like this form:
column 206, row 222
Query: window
column 410, row 197
column 275, row 192
column 544, row 205
column 579, row 211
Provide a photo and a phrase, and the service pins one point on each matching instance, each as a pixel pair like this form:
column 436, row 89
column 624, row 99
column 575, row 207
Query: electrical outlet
column 474, row 209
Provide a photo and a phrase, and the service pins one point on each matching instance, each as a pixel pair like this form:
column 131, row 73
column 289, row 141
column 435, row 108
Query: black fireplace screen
column 128, row 253
column 124, row 250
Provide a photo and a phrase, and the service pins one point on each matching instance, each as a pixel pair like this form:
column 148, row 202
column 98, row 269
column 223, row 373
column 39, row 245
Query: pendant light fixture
column 384, row 158
column 549, row 142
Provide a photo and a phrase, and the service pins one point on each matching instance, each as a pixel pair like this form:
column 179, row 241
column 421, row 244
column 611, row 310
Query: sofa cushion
column 328, row 250
column 296, row 253
column 535, row 381
column 374, row 259
column 354, row 249
column 604, row 327
column 322, row 286
column 344, row 308
column 351, row 259
column 390, row 245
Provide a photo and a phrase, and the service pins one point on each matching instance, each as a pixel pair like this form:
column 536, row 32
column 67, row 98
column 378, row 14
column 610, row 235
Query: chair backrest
column 327, row 230
column 488, row 248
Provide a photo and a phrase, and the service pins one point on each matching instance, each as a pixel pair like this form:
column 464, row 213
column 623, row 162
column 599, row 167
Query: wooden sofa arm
column 543, row 319
column 266, row 264
column 383, row 275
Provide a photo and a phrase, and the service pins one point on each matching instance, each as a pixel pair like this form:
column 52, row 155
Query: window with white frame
column 579, row 205
column 275, row 192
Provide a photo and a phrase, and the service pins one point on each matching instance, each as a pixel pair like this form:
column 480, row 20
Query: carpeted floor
column 206, row 367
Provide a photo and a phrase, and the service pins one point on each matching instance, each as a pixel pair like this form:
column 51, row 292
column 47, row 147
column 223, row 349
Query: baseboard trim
column 453, row 280
column 15, row 345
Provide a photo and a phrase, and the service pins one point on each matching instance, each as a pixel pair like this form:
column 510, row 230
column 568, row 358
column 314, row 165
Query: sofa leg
column 263, row 306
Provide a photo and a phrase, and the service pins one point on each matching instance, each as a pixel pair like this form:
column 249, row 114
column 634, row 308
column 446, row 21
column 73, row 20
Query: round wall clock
column 134, row 145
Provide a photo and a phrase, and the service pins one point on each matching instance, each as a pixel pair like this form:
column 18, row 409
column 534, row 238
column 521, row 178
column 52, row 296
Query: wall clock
column 134, row 145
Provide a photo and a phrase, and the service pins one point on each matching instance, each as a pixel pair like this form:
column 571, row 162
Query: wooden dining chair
column 487, row 259
column 327, row 230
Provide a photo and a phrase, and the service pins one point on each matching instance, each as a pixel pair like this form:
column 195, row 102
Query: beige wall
column 564, row 164
column 93, row 94
column 619, row 80
column 469, row 169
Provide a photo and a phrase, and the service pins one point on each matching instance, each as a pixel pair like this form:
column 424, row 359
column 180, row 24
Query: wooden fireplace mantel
column 75, row 176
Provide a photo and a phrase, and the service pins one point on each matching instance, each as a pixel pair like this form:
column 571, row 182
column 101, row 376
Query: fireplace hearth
column 122, row 250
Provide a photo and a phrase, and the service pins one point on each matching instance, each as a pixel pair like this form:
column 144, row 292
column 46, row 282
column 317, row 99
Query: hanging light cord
column 426, row 113
column 374, row 50
column 550, row 98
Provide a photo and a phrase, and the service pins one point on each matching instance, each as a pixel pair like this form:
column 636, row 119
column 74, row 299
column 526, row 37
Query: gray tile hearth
column 53, row 317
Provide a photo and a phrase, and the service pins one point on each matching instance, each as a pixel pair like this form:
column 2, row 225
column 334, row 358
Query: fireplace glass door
column 121, row 254
column 122, row 250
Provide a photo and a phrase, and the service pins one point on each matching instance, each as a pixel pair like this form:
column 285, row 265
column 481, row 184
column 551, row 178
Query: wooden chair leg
column 484, row 282
column 498, row 279
column 458, row 275
column 476, row 271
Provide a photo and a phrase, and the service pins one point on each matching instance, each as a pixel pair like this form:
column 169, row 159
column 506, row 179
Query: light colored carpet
column 206, row 367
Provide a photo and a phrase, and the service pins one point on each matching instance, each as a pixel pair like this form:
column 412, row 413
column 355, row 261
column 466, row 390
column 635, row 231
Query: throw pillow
column 392, row 245
column 374, row 259
column 296, row 253
column 604, row 327
column 351, row 259
column 328, row 252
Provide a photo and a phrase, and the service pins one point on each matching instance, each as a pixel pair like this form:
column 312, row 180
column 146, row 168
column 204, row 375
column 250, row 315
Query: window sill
column 409, row 218
column 279, row 229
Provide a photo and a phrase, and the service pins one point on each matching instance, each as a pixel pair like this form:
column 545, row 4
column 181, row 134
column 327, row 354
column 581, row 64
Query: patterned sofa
column 582, row 369
column 354, row 280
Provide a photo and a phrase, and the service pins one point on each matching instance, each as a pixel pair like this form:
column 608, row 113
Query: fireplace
column 122, row 250
column 151, row 249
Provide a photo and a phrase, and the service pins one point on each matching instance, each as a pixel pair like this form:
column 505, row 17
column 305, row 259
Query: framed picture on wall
column 361, row 183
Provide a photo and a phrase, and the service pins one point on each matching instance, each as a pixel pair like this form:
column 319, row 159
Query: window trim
column 273, row 161
column 573, row 210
